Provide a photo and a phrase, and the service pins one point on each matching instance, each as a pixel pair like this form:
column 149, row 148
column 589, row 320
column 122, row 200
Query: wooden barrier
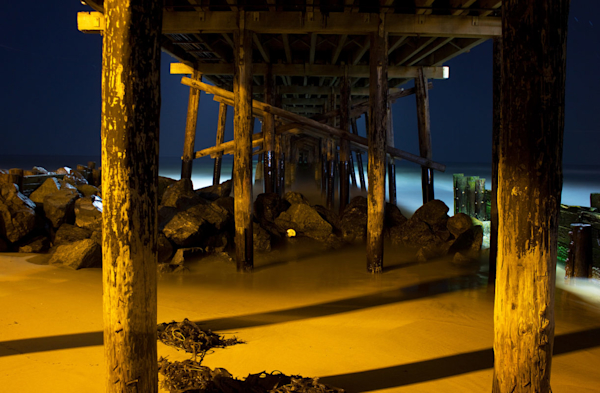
column 579, row 215
column 470, row 196
column 579, row 260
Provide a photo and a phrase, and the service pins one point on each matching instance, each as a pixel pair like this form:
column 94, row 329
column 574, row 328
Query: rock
column 217, row 243
column 97, row 237
column 433, row 213
column 59, row 207
column 430, row 251
column 88, row 213
column 88, row 190
column 212, row 193
column 186, row 253
column 330, row 216
column 38, row 170
column 414, row 233
column 180, row 195
column 214, row 214
column 37, row 244
column 185, row 228
column 17, row 213
column 393, row 216
column 68, row 233
column 268, row 206
column 458, row 224
column 292, row 197
column 463, row 260
column 50, row 186
column 163, row 184
column 261, row 238
column 65, row 170
column 305, row 221
column 165, row 248
column 468, row 243
column 226, row 203
column 353, row 222
column 78, row 255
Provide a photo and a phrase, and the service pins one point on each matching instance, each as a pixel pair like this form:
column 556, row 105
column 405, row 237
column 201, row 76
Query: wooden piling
column 16, row 176
column 220, row 139
column 496, row 126
column 595, row 200
column 242, row 130
column 359, row 161
column 529, row 191
column 345, row 153
column 378, row 91
column 130, row 135
column 579, row 261
column 391, row 166
column 480, row 211
column 461, row 185
column 190, row 129
column 455, row 178
column 471, row 180
column 91, row 165
column 424, row 125
column 268, row 130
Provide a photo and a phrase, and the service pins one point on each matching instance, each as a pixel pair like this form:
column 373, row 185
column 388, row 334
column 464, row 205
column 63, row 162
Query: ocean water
column 578, row 181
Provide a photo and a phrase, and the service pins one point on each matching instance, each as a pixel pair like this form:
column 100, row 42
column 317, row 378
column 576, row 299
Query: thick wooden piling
column 529, row 191
column 345, row 105
column 424, row 125
column 496, row 126
column 378, row 92
column 130, row 135
column 579, row 261
column 190, row 129
column 268, row 129
column 471, row 206
column 359, row 161
column 480, row 211
column 391, row 162
column 220, row 139
column 455, row 178
column 242, row 131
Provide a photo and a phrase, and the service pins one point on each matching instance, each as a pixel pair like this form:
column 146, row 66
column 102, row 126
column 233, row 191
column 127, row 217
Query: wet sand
column 416, row 328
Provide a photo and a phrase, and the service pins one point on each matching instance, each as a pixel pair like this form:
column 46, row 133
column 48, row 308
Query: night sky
column 50, row 76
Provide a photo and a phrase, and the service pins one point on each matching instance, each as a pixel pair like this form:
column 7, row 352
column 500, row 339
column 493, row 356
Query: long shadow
column 448, row 366
column 422, row 290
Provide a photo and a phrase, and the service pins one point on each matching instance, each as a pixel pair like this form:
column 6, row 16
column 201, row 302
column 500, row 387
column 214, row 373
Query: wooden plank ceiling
column 311, row 42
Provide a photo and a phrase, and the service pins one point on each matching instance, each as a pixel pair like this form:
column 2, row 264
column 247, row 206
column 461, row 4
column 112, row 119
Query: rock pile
column 64, row 218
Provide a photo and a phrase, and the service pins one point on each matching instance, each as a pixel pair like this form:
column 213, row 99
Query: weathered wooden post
column 461, row 185
column 378, row 92
column 471, row 180
column 345, row 106
column 455, row 178
column 480, row 212
column 424, row 125
column 268, row 129
column 359, row 161
column 323, row 155
column 391, row 166
column 130, row 134
column 242, row 133
column 496, row 126
column 220, row 139
column 190, row 129
column 595, row 200
column 529, row 190
column 579, row 262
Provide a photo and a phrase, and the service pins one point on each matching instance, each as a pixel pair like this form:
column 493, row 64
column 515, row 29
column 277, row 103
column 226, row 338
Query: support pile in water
column 190, row 376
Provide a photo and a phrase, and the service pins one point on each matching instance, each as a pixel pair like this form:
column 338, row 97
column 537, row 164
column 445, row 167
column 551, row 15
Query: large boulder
column 59, row 207
column 163, row 184
column 181, row 195
column 78, row 255
column 50, row 186
column 393, row 216
column 165, row 249
column 17, row 213
column 88, row 213
column 261, row 238
column 330, row 216
column 305, row 221
column 190, row 227
column 458, row 224
column 293, row 197
column 212, row 193
column 268, row 206
column 434, row 213
column 468, row 243
column 88, row 190
column 37, row 244
column 353, row 222
column 414, row 233
column 68, row 233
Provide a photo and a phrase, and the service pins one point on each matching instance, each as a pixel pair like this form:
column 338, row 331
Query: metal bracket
column 420, row 19
column 256, row 16
column 475, row 21
column 201, row 16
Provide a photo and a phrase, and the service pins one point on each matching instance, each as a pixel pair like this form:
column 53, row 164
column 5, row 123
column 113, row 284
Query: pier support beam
column 130, row 134
column 345, row 105
column 269, row 134
column 190, row 129
column 359, row 161
column 424, row 124
column 220, row 139
column 496, row 126
column 529, row 191
column 242, row 134
column 391, row 161
column 378, row 92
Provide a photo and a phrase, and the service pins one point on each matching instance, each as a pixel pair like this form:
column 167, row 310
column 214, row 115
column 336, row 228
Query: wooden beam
column 261, row 48
column 313, row 47
column 220, row 139
column 130, row 135
column 182, row 22
column 423, row 6
column 491, row 5
column 303, row 101
column 338, row 48
column 319, row 70
column 227, row 147
column 190, row 130
column 424, row 126
column 358, row 55
column 399, row 41
column 431, row 48
column 322, row 129
column 460, row 6
column 269, row 135
column 242, row 134
column 377, row 148
column 286, row 46
column 409, row 51
column 345, row 106
column 534, row 51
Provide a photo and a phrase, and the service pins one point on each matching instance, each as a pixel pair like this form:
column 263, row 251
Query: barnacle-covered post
column 130, row 134
column 377, row 137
